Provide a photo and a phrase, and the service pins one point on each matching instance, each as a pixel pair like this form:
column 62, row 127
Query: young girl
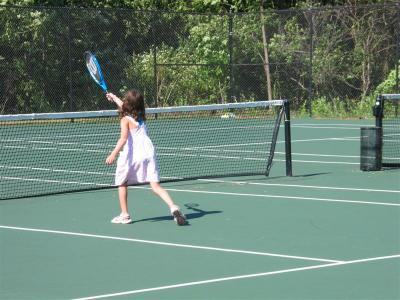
column 137, row 160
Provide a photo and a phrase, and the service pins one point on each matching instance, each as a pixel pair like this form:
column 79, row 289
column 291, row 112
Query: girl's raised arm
column 112, row 98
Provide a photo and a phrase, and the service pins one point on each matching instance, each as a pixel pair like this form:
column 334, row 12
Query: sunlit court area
column 272, row 128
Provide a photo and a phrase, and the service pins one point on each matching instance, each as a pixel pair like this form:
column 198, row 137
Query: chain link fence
column 339, row 56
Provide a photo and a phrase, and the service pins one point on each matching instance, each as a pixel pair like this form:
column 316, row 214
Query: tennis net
column 387, row 114
column 63, row 152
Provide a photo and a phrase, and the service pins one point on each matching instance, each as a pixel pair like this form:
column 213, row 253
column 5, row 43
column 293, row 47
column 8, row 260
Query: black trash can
column 371, row 149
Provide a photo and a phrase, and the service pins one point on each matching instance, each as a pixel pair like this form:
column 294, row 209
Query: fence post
column 153, row 30
column 397, row 50
column 230, row 45
column 70, row 60
column 310, row 67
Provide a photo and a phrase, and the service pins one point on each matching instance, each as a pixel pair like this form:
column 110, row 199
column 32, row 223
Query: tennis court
column 329, row 232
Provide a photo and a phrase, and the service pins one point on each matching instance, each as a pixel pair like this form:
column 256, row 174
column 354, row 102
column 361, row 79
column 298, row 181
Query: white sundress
column 137, row 161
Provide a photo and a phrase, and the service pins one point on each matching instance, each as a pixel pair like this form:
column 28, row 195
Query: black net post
column 288, row 144
column 378, row 111
column 371, row 141
column 285, row 113
column 371, row 149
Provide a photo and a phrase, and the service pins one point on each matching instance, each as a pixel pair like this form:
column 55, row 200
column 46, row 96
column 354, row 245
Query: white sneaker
column 179, row 217
column 122, row 219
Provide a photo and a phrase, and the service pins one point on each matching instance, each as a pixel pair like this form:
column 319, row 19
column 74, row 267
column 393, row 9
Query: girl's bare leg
column 163, row 194
column 124, row 217
column 123, row 198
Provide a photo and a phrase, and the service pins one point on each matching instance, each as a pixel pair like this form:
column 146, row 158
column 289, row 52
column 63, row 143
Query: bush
column 339, row 108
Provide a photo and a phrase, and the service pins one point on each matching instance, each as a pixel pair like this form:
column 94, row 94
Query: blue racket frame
column 94, row 69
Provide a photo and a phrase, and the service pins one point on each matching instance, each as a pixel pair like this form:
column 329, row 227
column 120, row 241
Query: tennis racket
column 94, row 69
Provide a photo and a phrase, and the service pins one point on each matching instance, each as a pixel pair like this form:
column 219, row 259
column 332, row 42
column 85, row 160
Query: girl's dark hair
column 133, row 105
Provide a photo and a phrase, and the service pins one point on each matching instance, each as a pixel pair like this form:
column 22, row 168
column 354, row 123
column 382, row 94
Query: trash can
column 371, row 149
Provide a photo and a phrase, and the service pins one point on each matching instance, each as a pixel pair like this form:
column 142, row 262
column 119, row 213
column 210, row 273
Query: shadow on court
column 197, row 213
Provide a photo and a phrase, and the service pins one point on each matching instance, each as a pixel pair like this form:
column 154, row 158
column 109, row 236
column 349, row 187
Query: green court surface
column 329, row 232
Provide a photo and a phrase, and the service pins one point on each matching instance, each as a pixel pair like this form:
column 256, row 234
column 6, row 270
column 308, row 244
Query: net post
column 274, row 138
column 288, row 144
column 378, row 113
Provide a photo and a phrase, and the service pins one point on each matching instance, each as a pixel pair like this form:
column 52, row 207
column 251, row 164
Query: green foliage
column 390, row 85
column 189, row 84
column 198, row 6
column 345, row 108
column 337, row 57
column 339, row 108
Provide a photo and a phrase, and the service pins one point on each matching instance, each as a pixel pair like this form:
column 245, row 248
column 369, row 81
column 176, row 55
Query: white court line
column 330, row 155
column 72, row 136
column 56, row 149
column 54, row 181
column 207, row 180
column 55, row 170
column 55, row 143
column 186, row 147
column 229, row 128
column 212, row 192
column 205, row 129
column 330, row 124
column 208, row 149
column 320, row 162
column 168, row 244
column 246, row 158
column 324, row 127
column 301, row 186
column 276, row 196
column 318, row 155
column 349, row 138
column 131, row 292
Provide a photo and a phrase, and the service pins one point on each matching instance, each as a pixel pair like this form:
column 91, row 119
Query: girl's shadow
column 197, row 213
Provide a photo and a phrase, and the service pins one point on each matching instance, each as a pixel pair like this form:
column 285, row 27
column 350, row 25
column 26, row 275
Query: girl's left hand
column 110, row 159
